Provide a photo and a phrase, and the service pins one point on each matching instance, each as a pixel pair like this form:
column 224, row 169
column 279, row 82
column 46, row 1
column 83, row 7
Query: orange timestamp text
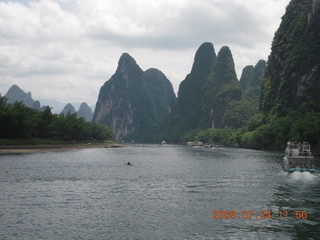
column 263, row 214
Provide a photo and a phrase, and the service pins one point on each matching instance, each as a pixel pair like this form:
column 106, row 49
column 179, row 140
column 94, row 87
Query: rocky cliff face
column 85, row 112
column 16, row 94
column 292, row 76
column 251, row 79
column 134, row 103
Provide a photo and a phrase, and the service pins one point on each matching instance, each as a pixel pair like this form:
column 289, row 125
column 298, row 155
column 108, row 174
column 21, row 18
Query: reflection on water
column 168, row 193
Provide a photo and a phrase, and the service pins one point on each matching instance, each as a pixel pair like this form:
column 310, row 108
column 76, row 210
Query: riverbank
column 22, row 149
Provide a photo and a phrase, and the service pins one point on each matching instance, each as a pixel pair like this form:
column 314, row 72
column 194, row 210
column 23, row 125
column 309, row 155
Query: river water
column 173, row 192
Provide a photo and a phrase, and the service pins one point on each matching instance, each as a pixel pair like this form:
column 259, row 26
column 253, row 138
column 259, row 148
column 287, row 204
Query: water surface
column 168, row 193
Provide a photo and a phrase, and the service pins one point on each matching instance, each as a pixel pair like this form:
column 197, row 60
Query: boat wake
column 303, row 176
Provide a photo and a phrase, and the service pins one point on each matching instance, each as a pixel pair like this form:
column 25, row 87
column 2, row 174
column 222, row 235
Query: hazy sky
column 66, row 49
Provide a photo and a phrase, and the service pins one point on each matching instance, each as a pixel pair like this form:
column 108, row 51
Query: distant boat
column 163, row 143
column 191, row 144
column 298, row 158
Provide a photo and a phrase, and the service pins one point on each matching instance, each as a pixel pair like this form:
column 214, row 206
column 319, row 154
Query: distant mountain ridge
column 16, row 94
column 83, row 112
column 68, row 109
column 58, row 106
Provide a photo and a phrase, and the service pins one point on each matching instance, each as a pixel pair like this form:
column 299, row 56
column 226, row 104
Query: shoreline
column 22, row 149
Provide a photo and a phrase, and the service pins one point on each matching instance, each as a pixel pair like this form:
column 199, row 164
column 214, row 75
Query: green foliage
column 307, row 127
column 20, row 122
column 293, row 70
column 214, row 135
column 274, row 132
column 239, row 112
column 270, row 133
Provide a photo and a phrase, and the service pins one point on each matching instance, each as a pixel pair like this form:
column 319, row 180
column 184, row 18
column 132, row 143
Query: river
column 172, row 192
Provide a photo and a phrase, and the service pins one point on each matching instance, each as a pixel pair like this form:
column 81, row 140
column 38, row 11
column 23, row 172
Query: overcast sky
column 66, row 49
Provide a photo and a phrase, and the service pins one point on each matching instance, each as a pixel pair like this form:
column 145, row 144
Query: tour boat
column 298, row 158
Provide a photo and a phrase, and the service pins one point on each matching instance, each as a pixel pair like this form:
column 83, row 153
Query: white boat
column 298, row 158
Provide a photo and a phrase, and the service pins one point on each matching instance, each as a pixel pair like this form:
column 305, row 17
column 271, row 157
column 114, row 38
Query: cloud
column 66, row 49
column 155, row 26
